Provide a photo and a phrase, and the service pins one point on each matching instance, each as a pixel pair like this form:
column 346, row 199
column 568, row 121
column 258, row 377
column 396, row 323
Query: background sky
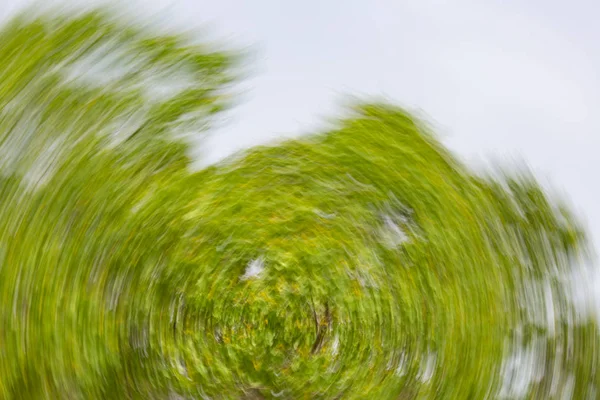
column 498, row 80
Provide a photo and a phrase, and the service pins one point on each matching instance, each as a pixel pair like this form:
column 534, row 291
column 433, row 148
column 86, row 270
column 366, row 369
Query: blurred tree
column 363, row 262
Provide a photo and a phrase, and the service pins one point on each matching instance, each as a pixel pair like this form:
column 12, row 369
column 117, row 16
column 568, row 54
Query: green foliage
column 364, row 262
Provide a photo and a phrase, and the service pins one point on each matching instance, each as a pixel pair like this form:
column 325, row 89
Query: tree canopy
column 362, row 262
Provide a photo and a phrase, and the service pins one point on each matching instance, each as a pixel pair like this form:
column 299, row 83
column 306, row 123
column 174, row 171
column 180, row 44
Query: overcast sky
column 497, row 79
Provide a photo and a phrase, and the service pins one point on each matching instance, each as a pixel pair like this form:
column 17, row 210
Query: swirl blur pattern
column 363, row 262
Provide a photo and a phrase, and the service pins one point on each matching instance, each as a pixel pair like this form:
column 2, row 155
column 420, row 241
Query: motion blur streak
column 365, row 262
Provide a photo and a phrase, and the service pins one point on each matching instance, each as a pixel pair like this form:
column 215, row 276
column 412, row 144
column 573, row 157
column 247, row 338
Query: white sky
column 505, row 79
column 497, row 79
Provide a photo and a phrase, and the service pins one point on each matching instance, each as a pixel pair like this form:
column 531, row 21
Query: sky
column 497, row 80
